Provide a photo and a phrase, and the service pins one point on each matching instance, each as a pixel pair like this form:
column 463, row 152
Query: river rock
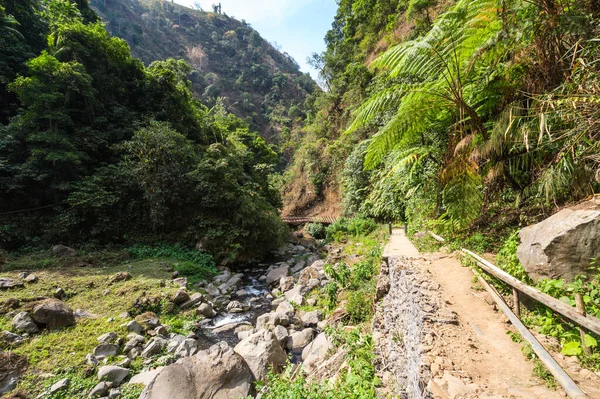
column 146, row 377
column 311, row 319
column 148, row 320
column 108, row 337
column 285, row 308
column 277, row 274
column 562, row 245
column 101, row 389
column 180, row 297
column 299, row 266
column 53, row 313
column 135, row 327
column 31, row 279
column 230, row 285
column 105, row 350
column 262, row 352
column 114, row 374
column 187, row 348
column 281, row 333
column 6, row 283
column 268, row 321
column 60, row 385
column 22, row 322
column 154, row 347
column 212, row 290
column 174, row 343
column 286, row 283
column 205, row 310
column 307, row 274
column 315, row 353
column 217, row 373
column 299, row 340
column 236, row 307
column 64, row 251
column 194, row 300
column 296, row 295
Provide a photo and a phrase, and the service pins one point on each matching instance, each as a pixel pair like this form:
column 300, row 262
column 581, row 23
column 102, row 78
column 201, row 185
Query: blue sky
column 298, row 26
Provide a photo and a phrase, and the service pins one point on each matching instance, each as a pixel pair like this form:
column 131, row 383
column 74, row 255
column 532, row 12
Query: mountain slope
column 230, row 59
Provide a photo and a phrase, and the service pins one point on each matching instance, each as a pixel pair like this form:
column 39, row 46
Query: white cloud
column 272, row 12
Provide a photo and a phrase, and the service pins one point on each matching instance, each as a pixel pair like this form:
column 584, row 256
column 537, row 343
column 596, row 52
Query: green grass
column 62, row 353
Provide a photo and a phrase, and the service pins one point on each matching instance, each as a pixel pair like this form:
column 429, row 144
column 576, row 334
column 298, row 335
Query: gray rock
column 562, row 245
column 281, row 334
column 217, row 373
column 187, row 348
column 146, row 377
column 114, row 393
column 23, row 323
column 286, row 283
column 194, row 300
column 11, row 338
column 31, row 279
column 299, row 340
column 241, row 293
column 114, row 374
column 277, row 274
column 60, row 385
column 101, row 389
column 6, row 283
column 318, row 264
column 181, row 281
column 308, row 274
column 212, row 290
column 299, row 266
column 8, row 382
column 296, row 295
column 262, row 352
column 53, row 313
column 311, row 319
column 64, row 251
column 105, row 350
column 311, row 302
column 135, row 340
column 236, row 307
column 268, row 321
column 59, row 293
column 161, row 330
column 315, row 353
column 154, row 347
column 91, row 360
column 135, row 327
column 312, row 284
column 205, row 310
column 174, row 343
column 230, row 285
column 285, row 308
column 180, row 297
column 108, row 337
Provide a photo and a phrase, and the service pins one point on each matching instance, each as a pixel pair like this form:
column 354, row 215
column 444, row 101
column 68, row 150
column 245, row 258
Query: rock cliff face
column 563, row 245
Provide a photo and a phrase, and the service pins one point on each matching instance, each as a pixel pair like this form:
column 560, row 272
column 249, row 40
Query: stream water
column 257, row 301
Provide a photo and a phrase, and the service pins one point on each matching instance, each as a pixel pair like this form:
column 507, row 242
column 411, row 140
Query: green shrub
column 362, row 272
column 507, row 259
column 359, row 307
column 194, row 265
column 316, row 230
column 350, row 227
column 331, row 291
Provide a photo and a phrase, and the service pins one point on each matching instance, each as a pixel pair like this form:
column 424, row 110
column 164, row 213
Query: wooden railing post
column 580, row 305
column 516, row 303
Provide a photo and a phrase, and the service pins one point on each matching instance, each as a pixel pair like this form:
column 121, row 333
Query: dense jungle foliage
column 452, row 113
column 96, row 147
column 229, row 59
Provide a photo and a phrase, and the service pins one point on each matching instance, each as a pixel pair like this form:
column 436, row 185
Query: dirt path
column 465, row 350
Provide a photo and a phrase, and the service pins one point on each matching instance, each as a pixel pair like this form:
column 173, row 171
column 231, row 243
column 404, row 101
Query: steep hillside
column 230, row 59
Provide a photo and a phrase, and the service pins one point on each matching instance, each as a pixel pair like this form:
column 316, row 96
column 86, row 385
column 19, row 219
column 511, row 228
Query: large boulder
column 563, row 245
column 53, row 313
column 61, row 250
column 277, row 274
column 262, row 352
column 216, row 373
